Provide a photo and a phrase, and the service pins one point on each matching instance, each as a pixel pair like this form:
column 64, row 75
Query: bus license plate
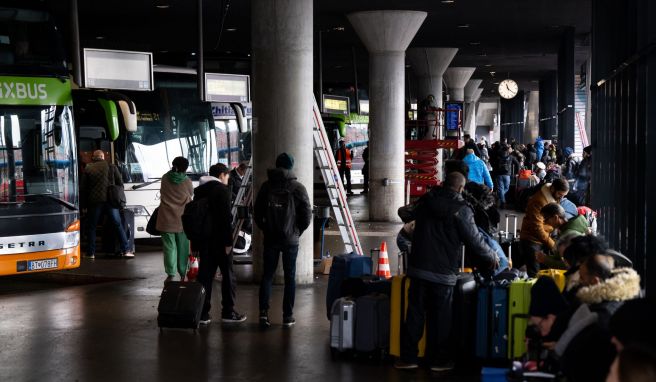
column 37, row 265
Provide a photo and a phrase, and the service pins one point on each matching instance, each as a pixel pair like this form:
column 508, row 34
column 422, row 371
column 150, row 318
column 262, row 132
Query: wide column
column 429, row 65
column 386, row 34
column 566, row 84
column 533, row 108
column 282, row 105
column 469, row 125
column 456, row 78
column 549, row 105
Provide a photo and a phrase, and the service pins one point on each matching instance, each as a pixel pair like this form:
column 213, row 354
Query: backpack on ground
column 281, row 213
column 197, row 219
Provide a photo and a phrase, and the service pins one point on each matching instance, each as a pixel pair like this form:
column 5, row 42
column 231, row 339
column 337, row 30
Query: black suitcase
column 368, row 284
column 181, row 305
column 372, row 323
column 464, row 318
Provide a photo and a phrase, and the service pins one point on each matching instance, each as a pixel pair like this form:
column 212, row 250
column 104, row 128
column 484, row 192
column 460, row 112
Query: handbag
column 151, row 227
column 115, row 193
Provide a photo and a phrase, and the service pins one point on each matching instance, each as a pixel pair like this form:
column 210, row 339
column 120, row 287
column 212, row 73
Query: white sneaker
column 129, row 254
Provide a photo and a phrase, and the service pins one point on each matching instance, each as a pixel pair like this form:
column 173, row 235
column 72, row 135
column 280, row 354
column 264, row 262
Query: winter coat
column 277, row 178
column 539, row 147
column 578, row 224
column 584, row 350
column 533, row 227
column 175, row 193
column 95, row 180
column 531, row 156
column 504, row 164
column 219, row 199
column 444, row 222
column 234, row 183
column 606, row 297
column 478, row 171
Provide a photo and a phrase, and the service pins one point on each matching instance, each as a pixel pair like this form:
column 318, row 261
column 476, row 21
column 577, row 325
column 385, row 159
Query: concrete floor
column 98, row 323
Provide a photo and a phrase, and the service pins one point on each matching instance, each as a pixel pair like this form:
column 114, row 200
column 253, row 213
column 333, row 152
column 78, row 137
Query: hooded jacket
column 279, row 177
column 219, row 198
column 175, row 192
column 533, row 227
column 445, row 221
column 607, row 296
column 478, row 171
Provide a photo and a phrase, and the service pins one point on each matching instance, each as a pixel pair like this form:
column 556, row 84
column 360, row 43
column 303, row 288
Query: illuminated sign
column 227, row 88
column 335, row 104
column 364, row 106
column 117, row 69
column 453, row 118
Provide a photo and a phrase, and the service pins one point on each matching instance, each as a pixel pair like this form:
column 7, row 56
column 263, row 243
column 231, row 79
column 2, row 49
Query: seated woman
column 565, row 230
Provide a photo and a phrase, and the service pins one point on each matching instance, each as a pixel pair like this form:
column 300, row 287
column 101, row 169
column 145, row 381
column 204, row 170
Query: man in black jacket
column 282, row 211
column 236, row 178
column 217, row 251
column 443, row 222
column 503, row 170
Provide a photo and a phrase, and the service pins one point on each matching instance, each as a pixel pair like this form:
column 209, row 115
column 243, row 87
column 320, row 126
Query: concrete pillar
column 456, row 79
column 386, row 34
column 549, row 105
column 429, row 65
column 532, row 124
column 282, row 105
column 566, row 83
column 469, row 124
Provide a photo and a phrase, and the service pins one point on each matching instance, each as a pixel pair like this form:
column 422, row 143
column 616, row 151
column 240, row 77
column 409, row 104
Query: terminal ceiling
column 515, row 38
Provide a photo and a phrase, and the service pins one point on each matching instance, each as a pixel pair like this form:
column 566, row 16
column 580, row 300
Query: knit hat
column 546, row 298
column 285, row 161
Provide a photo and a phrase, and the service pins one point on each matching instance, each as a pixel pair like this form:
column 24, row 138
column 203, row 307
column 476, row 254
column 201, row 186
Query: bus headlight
column 138, row 210
column 72, row 238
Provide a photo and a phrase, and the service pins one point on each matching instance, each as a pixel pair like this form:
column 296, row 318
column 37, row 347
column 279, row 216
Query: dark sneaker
column 205, row 319
column 264, row 319
column 446, row 366
column 233, row 317
column 405, row 365
column 288, row 322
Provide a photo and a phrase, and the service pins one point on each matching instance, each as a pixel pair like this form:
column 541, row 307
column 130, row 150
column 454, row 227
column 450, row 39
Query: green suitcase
column 519, row 301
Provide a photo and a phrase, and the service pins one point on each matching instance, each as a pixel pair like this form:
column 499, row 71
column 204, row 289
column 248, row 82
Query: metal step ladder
column 244, row 199
column 330, row 173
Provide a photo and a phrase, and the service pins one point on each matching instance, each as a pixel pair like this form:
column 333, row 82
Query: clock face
column 508, row 89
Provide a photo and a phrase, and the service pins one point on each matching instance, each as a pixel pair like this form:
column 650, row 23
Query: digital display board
column 453, row 115
column 364, row 106
column 227, row 88
column 336, row 104
column 118, row 69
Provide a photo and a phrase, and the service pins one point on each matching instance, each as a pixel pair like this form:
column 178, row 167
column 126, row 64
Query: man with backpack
column 282, row 211
column 503, row 169
column 208, row 223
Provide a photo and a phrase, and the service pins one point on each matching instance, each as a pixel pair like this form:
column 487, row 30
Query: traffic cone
column 383, row 262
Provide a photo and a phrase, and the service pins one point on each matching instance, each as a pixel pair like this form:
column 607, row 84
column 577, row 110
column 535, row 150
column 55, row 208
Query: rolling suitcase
column 344, row 266
column 508, row 240
column 181, row 305
column 372, row 322
column 342, row 325
column 464, row 313
column 398, row 310
column 518, row 304
column 558, row 275
column 368, row 284
column 492, row 322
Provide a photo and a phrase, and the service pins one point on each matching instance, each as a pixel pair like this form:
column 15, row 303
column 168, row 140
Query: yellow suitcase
column 398, row 304
column 558, row 275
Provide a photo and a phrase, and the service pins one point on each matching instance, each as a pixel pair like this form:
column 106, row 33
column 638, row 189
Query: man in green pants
column 176, row 191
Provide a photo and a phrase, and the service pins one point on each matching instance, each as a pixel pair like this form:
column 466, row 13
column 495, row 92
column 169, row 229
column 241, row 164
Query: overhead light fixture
column 339, row 28
column 162, row 6
column 228, row 51
column 100, row 37
column 482, row 54
column 474, row 43
column 495, row 83
column 231, row 29
column 408, row 66
column 163, row 51
column 448, row 1
column 249, row 55
column 488, row 65
column 463, row 25
column 493, row 73
column 193, row 53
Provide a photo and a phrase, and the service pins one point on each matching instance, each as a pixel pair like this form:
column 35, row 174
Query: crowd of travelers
column 597, row 328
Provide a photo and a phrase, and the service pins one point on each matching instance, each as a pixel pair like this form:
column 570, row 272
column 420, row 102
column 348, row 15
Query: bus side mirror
column 111, row 117
column 129, row 112
column 240, row 115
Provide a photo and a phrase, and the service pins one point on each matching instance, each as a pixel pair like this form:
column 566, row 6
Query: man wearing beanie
column 282, row 211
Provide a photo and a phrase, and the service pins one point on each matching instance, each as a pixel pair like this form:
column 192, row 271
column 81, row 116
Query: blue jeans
column 271, row 254
column 115, row 219
column 503, row 184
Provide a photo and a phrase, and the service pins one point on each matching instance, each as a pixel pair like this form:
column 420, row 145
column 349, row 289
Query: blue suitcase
column 343, row 267
column 492, row 322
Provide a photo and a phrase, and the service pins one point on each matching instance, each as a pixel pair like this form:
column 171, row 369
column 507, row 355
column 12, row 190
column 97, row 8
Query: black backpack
column 197, row 219
column 281, row 213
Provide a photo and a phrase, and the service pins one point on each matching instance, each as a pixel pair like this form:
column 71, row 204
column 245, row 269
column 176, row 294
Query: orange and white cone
column 383, row 262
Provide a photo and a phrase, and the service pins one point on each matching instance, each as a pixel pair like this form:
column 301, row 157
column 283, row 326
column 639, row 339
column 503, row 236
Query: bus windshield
column 37, row 155
column 171, row 122
column 29, row 38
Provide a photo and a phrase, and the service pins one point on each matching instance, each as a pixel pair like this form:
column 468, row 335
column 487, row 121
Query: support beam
column 566, row 84
column 456, row 79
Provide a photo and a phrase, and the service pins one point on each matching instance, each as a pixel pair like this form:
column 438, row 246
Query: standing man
column 443, row 222
column 365, row 170
column 236, row 178
column 216, row 252
column 343, row 157
column 535, row 235
column 503, row 168
column 282, row 211
column 95, row 179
